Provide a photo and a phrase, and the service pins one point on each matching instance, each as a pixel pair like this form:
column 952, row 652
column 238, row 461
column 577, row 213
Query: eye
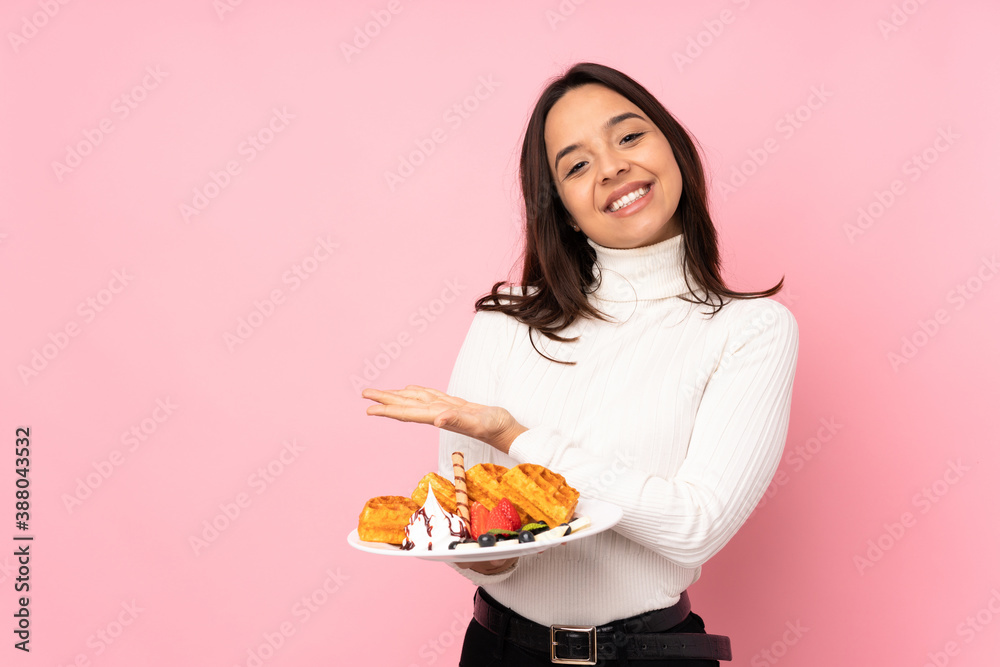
column 629, row 138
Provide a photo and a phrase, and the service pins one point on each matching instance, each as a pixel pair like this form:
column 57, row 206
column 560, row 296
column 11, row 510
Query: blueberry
column 487, row 540
column 568, row 529
column 453, row 544
column 525, row 536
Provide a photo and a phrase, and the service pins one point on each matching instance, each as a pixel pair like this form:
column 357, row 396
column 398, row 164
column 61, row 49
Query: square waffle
column 539, row 494
column 384, row 519
column 483, row 483
column 444, row 491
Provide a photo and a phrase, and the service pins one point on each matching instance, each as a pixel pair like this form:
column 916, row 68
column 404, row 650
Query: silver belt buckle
column 591, row 654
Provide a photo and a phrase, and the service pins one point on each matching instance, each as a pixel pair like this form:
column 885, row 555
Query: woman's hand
column 492, row 425
column 489, row 566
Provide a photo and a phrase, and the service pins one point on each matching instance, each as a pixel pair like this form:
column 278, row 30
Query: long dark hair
column 559, row 262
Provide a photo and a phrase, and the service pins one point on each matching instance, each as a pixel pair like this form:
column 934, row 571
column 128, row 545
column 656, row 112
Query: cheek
column 672, row 174
column 664, row 156
column 575, row 199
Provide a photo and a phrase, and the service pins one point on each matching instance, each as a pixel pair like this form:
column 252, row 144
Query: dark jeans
column 481, row 647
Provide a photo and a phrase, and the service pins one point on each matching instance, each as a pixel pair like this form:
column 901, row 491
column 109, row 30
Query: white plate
column 602, row 517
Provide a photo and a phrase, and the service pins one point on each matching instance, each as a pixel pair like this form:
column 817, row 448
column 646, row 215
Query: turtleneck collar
column 650, row 272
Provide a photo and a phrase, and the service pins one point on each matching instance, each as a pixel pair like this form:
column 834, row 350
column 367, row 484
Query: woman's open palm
column 493, row 425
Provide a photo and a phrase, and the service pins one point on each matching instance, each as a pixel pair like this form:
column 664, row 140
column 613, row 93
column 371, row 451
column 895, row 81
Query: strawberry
column 504, row 516
column 479, row 517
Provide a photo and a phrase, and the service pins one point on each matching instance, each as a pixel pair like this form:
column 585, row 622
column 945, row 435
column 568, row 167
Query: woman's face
column 602, row 148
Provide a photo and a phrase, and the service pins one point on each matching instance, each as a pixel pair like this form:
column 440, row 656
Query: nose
column 611, row 165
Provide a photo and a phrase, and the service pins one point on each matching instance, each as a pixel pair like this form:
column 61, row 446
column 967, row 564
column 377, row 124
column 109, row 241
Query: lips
column 624, row 190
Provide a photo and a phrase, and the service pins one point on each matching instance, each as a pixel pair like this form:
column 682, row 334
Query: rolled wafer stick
column 461, row 494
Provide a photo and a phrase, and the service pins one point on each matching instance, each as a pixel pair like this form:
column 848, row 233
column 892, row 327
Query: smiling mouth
column 630, row 198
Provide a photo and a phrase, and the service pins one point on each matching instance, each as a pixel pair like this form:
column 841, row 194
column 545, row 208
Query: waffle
column 539, row 494
column 444, row 491
column 384, row 519
column 484, row 484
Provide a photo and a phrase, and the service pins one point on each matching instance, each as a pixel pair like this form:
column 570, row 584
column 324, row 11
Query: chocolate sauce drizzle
column 422, row 514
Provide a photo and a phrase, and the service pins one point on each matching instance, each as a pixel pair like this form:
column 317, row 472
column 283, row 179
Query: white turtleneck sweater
column 678, row 418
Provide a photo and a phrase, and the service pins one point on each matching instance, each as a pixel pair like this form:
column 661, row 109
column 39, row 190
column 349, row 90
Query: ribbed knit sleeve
column 736, row 444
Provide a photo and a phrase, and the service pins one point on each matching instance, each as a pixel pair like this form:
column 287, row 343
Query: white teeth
column 628, row 199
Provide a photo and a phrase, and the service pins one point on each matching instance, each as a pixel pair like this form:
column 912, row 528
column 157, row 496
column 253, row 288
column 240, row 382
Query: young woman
column 624, row 363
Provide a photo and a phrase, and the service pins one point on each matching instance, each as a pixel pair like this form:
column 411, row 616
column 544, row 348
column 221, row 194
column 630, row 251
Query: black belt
column 582, row 645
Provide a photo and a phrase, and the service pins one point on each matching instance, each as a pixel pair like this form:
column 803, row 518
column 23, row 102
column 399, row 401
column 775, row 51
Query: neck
column 651, row 272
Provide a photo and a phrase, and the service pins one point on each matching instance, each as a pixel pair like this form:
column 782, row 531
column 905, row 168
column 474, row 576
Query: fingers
column 417, row 404
column 373, row 394
column 431, row 391
column 386, row 398
column 418, row 393
column 392, row 396
column 441, row 396
column 412, row 391
column 378, row 394
column 430, row 395
column 488, row 567
column 403, row 413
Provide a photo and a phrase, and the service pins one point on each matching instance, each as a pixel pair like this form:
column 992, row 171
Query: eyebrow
column 608, row 124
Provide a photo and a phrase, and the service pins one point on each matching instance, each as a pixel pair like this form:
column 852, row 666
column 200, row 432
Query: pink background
column 832, row 550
